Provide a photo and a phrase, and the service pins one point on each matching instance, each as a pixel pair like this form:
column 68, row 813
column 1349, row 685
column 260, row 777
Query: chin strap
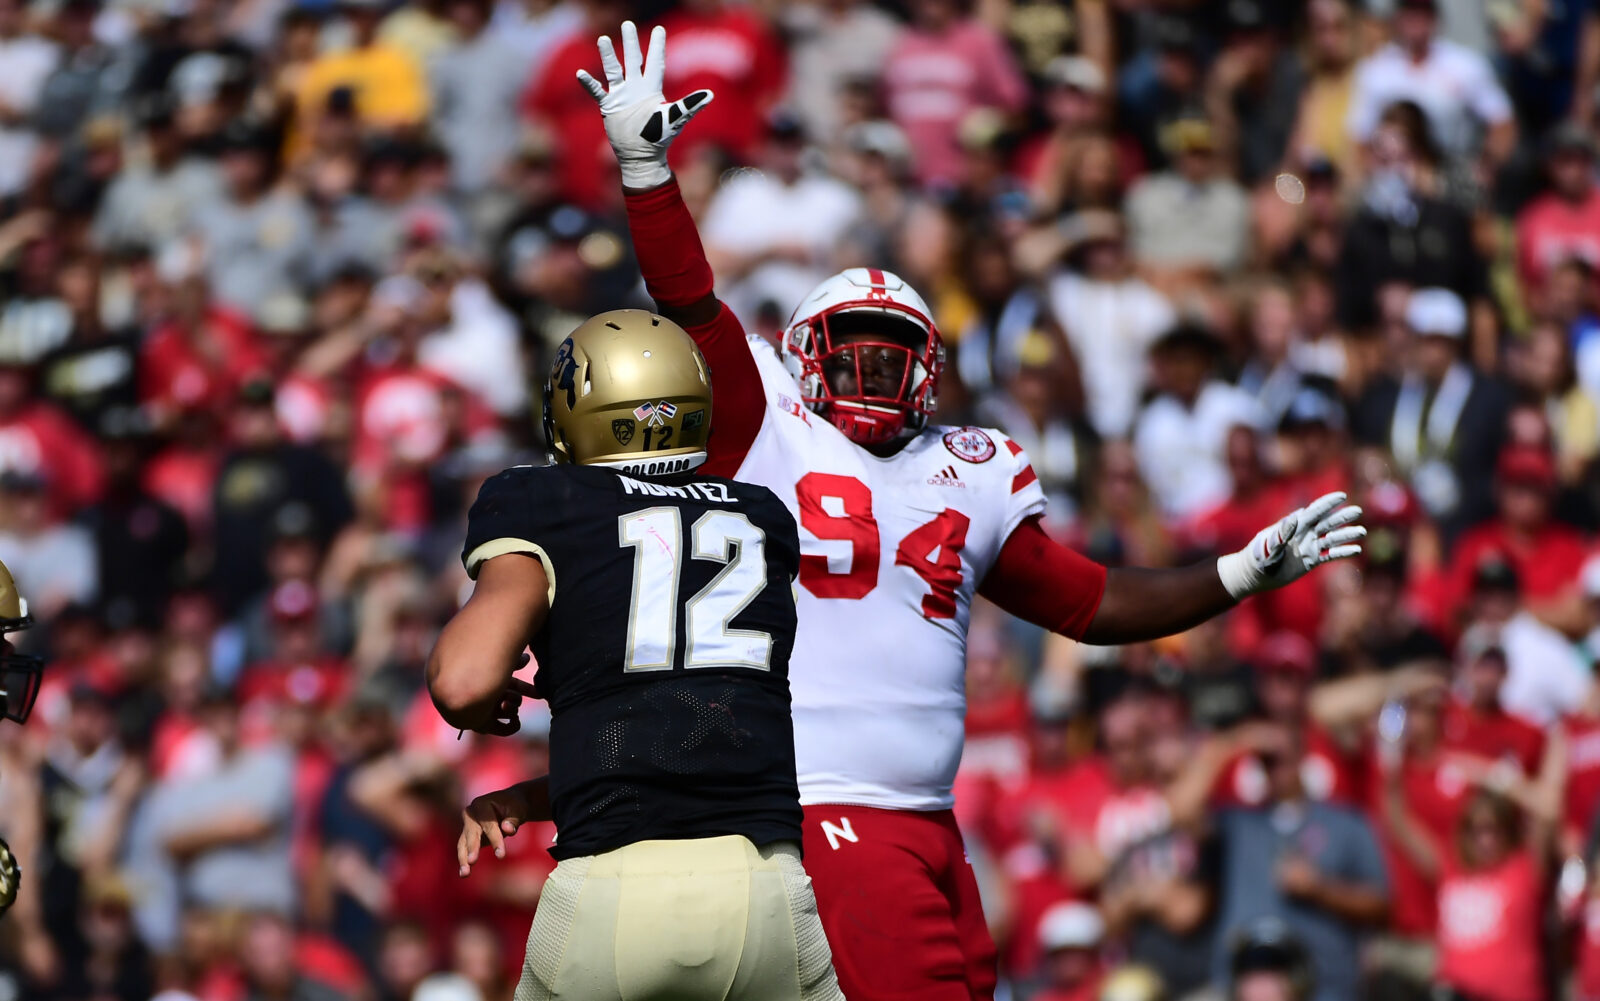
column 867, row 425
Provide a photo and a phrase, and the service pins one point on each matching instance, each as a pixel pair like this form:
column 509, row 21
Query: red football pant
column 899, row 903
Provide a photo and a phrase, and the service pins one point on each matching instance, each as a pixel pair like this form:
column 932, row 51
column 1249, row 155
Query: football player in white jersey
column 901, row 524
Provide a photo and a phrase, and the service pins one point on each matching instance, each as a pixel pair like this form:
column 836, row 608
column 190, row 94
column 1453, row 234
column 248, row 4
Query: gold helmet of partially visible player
column 629, row 390
column 19, row 673
column 19, row 686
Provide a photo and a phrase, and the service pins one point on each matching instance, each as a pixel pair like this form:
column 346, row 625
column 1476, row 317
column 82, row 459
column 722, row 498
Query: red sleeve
column 1037, row 579
column 676, row 274
column 738, row 403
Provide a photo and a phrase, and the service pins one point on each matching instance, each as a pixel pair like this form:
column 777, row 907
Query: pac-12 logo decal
column 971, row 444
column 622, row 428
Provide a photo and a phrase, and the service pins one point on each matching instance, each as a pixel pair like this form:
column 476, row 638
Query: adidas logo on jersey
column 946, row 477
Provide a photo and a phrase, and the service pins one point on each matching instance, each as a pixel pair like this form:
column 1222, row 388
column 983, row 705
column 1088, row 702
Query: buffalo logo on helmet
column 970, row 444
column 563, row 370
column 622, row 430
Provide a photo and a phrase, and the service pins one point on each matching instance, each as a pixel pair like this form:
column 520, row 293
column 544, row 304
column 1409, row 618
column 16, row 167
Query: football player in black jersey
column 661, row 612
column 19, row 686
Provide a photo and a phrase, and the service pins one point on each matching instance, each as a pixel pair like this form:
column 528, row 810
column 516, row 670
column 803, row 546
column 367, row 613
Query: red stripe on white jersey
column 1023, row 478
column 1014, row 447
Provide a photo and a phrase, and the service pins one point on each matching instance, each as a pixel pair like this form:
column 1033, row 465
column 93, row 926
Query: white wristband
column 1239, row 574
column 644, row 173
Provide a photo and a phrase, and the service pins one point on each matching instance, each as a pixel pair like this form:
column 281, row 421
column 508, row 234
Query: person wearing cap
column 769, row 233
column 390, row 87
column 1076, row 104
column 1193, row 218
column 260, row 474
column 1285, row 671
column 1070, row 934
column 256, row 239
column 1547, row 676
column 150, row 200
column 1181, row 435
column 1475, row 721
column 1545, row 554
column 1563, row 222
column 1455, row 85
column 1442, row 420
column 1097, row 290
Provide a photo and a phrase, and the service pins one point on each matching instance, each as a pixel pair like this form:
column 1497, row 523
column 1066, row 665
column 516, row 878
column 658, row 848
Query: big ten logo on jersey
column 836, row 507
column 712, row 493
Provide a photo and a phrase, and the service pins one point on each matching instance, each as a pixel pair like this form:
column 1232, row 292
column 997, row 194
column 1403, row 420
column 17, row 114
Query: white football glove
column 1280, row 554
column 640, row 122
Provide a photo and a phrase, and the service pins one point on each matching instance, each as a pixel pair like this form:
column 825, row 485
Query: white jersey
column 892, row 550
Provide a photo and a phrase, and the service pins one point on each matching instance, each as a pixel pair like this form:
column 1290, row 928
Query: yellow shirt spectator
column 389, row 87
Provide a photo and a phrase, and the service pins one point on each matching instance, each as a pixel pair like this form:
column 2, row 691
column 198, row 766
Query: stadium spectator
column 945, row 65
column 769, row 232
column 1442, row 420
column 1312, row 865
column 1454, row 85
column 1182, row 433
column 1561, row 224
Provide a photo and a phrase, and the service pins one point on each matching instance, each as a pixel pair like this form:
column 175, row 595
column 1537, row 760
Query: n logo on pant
column 833, row 832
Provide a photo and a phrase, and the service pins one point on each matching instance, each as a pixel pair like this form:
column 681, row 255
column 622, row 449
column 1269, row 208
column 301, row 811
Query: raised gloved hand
column 640, row 122
column 1320, row 532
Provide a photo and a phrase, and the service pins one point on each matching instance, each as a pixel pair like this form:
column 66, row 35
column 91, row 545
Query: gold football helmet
column 19, row 673
column 629, row 390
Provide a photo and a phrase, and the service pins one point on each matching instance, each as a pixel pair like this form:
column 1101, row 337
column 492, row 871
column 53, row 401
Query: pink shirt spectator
column 1552, row 230
column 935, row 78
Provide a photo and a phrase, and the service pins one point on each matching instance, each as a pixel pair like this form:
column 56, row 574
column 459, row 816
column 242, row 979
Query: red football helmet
column 866, row 354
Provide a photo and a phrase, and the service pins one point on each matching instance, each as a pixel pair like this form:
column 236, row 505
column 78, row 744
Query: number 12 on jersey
column 726, row 537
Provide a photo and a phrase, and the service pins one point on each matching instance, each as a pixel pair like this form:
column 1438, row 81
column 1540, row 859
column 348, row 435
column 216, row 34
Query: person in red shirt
column 945, row 66
column 1435, row 787
column 729, row 50
column 199, row 353
column 1546, row 555
column 1475, row 722
column 1489, row 879
column 1563, row 223
column 586, row 171
column 36, row 438
column 1285, row 668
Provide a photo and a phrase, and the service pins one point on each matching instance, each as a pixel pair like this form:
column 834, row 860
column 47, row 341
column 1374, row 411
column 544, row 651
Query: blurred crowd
column 278, row 279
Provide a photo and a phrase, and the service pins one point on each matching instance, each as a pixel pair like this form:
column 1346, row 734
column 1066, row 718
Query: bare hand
column 506, row 721
column 492, row 817
column 1297, row 877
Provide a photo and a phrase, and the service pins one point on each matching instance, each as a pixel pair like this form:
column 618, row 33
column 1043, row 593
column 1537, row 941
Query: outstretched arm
column 640, row 125
column 1044, row 582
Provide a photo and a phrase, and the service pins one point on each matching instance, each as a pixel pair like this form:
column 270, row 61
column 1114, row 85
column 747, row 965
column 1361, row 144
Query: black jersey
column 665, row 656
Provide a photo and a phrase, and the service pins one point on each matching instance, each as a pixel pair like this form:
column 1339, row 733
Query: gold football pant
column 698, row 920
